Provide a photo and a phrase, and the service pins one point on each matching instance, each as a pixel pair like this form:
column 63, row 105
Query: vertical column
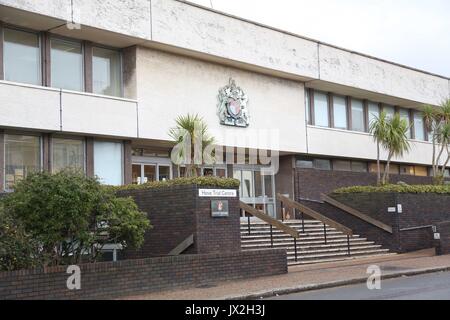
column 2, row 160
column 127, row 162
column 46, row 152
column 90, row 157
column 46, row 59
column 88, row 76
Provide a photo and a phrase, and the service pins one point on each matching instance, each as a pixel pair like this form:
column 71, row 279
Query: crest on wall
column 232, row 106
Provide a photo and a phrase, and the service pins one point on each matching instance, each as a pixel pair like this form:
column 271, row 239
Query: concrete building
column 98, row 84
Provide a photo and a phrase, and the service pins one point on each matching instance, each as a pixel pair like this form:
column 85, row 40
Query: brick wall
column 443, row 244
column 177, row 212
column 132, row 277
column 418, row 210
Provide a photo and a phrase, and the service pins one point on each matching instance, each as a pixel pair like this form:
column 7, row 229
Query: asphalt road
column 434, row 286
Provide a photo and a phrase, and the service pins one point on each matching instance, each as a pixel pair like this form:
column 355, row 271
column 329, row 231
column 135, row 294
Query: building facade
column 98, row 85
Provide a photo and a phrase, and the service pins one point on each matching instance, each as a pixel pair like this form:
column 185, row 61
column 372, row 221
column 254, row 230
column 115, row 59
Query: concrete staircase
column 311, row 246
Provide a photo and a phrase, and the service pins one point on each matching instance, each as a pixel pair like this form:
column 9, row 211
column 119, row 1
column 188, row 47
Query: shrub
column 440, row 189
column 72, row 216
column 199, row 181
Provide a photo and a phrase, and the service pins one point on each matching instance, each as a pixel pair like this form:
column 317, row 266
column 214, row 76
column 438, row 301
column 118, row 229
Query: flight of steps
column 311, row 247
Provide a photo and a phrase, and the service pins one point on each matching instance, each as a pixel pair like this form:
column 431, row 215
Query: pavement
column 432, row 286
column 310, row 277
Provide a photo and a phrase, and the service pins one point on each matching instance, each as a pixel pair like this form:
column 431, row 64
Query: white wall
column 342, row 143
column 170, row 86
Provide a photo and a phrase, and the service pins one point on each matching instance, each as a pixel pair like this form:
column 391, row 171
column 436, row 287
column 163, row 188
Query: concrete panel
column 354, row 70
column 186, row 26
column 341, row 143
column 91, row 114
column 60, row 9
column 130, row 17
column 170, row 86
column 24, row 106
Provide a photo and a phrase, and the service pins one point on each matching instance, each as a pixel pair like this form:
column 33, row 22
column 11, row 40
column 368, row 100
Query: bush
column 199, row 181
column 72, row 217
column 399, row 188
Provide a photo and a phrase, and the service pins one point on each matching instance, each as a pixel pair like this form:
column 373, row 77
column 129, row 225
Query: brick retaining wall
column 133, row 277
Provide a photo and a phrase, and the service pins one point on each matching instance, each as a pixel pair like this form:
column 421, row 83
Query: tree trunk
column 386, row 170
column 378, row 165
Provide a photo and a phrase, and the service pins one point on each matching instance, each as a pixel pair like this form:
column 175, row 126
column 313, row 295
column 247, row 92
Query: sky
column 415, row 33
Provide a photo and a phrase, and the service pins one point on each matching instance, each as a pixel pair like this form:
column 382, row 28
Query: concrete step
column 354, row 253
column 293, row 263
column 304, row 246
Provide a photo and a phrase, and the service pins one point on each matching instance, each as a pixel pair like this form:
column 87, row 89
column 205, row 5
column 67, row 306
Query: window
column 321, row 117
column 358, row 122
column 394, row 168
column 341, row 165
column 419, row 126
column 420, row 171
column 221, row 173
column 163, row 173
column 404, row 115
column 322, row 164
column 22, row 57
column 307, row 102
column 67, row 153
column 390, row 111
column 407, row 170
column 373, row 112
column 340, row 112
column 305, row 163
column 373, row 167
column 358, row 166
column 67, row 65
column 106, row 70
column 22, row 156
column 108, row 162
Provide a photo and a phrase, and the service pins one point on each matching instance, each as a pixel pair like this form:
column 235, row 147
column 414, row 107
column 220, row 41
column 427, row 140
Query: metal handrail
column 272, row 223
column 291, row 204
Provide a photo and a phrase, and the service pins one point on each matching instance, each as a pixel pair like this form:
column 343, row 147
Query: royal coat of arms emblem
column 232, row 106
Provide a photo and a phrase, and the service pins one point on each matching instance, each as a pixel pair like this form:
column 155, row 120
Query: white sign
column 437, row 236
column 217, row 193
column 392, row 209
column 399, row 208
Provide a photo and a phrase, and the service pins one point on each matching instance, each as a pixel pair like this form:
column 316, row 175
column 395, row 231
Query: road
column 434, row 286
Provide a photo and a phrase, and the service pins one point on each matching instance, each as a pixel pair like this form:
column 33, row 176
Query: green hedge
column 396, row 188
column 199, row 181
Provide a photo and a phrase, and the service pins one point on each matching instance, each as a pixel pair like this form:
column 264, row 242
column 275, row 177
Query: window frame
column 66, row 137
column 91, row 55
column 41, row 59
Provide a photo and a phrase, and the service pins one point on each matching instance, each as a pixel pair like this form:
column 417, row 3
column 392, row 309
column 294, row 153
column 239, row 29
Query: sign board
column 392, row 209
column 219, row 208
column 399, row 208
column 437, row 236
column 217, row 193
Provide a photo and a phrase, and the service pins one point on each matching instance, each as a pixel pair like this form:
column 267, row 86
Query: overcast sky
column 411, row 32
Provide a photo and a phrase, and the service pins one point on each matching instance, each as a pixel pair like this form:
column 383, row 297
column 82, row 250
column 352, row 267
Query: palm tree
column 378, row 128
column 437, row 122
column 396, row 141
column 191, row 138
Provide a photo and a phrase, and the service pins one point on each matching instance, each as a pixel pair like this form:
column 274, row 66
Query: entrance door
column 256, row 189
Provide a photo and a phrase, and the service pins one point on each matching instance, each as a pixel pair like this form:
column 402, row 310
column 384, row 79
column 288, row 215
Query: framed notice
column 219, row 208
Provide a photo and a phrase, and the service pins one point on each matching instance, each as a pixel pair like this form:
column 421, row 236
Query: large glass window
column 321, row 117
column 22, row 156
column 307, row 99
column 322, row 164
column 67, row 65
column 21, row 57
column 358, row 120
column 106, row 72
column 341, row 165
column 67, row 153
column 358, row 166
column 419, row 128
column 389, row 110
column 404, row 115
column 340, row 112
column 373, row 112
column 108, row 162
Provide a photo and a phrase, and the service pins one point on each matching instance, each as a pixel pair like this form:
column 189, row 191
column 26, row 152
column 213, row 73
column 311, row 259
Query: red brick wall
column 177, row 212
column 132, row 277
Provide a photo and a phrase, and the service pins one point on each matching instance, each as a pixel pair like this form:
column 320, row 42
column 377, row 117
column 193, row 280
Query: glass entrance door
column 256, row 189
